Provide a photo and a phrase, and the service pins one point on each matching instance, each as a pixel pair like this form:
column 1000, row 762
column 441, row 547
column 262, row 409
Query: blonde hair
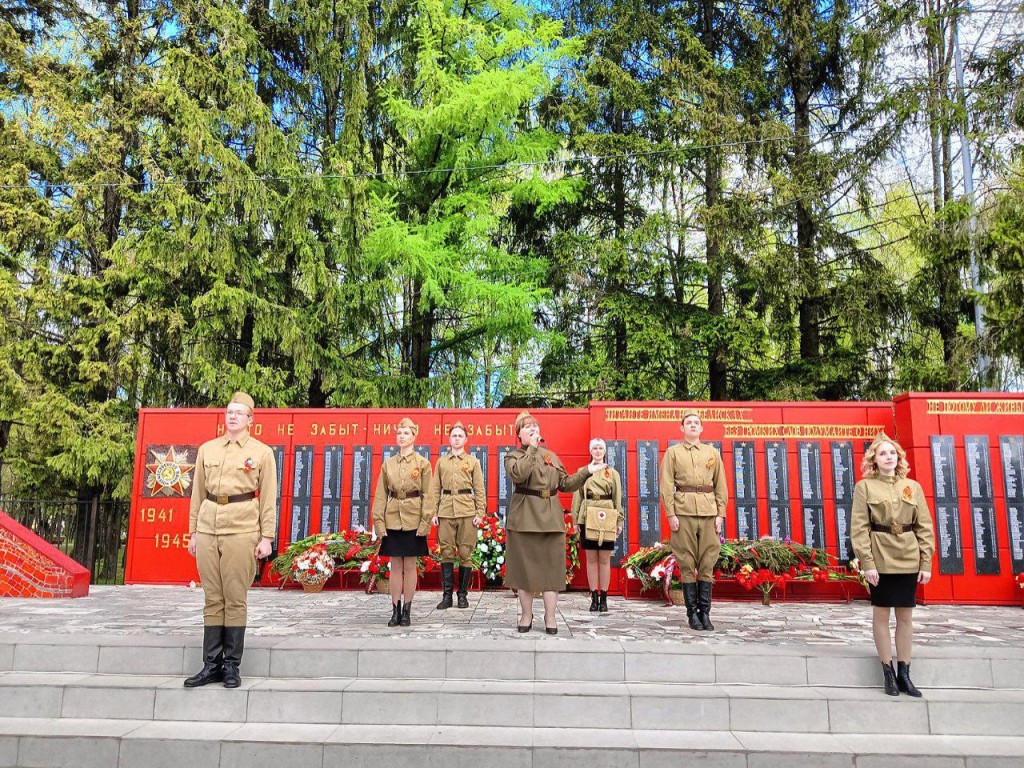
column 869, row 468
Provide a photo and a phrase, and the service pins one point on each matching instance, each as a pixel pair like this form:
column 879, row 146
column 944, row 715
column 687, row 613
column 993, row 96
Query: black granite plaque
column 616, row 458
column 983, row 507
column 745, row 485
column 812, row 498
column 843, row 481
column 647, row 492
column 481, row 454
column 504, row 482
column 947, row 506
column 359, row 507
column 330, row 506
column 279, row 465
column 1011, row 450
column 777, row 470
column 302, row 491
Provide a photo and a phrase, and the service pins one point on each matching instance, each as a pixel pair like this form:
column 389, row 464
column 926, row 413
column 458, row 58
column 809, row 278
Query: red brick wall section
column 32, row 567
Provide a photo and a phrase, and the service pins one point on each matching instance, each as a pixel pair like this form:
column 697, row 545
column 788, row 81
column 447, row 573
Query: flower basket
column 313, row 567
column 313, row 586
column 675, row 596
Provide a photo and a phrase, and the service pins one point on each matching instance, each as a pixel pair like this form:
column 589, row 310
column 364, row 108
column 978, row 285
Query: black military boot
column 602, row 605
column 595, row 601
column 406, row 618
column 889, row 677
column 690, row 599
column 465, row 574
column 447, row 585
column 234, row 643
column 213, row 658
column 903, row 681
column 396, row 613
column 704, row 605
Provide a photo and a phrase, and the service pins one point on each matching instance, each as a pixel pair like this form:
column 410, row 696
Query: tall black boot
column 213, row 658
column 406, row 619
column 595, row 601
column 889, row 678
column 234, row 643
column 447, row 585
column 602, row 605
column 903, row 681
column 690, row 599
column 396, row 613
column 704, row 605
column 465, row 574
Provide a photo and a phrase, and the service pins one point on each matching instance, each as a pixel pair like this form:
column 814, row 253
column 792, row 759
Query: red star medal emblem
column 169, row 473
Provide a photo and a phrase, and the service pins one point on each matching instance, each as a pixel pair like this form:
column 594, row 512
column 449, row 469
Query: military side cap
column 524, row 418
column 690, row 412
column 407, row 422
column 244, row 399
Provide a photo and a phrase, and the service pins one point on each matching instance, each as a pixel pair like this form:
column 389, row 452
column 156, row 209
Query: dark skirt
column 535, row 562
column 895, row 590
column 585, row 543
column 403, row 544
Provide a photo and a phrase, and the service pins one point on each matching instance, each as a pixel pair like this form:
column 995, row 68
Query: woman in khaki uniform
column 892, row 535
column 600, row 499
column 535, row 550
column 401, row 518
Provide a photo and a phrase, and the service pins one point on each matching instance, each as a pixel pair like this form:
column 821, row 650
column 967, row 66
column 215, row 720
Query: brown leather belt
column 695, row 488
column 532, row 492
column 404, row 495
column 231, row 499
column 449, row 493
column 599, row 497
column 894, row 528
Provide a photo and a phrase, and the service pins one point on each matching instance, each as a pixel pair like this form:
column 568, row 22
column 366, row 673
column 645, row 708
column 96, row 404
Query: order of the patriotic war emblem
column 169, row 470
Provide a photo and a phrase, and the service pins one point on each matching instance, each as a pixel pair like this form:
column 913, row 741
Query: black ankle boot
column 406, row 618
column 234, row 642
column 889, row 677
column 465, row 574
column 690, row 599
column 595, row 601
column 704, row 605
column 447, row 585
column 903, row 681
column 602, row 605
column 396, row 613
column 213, row 658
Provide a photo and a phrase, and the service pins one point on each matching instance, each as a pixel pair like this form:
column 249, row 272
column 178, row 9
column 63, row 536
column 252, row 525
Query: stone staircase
column 117, row 701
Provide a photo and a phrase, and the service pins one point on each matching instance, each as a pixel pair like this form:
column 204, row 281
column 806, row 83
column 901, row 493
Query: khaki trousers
column 227, row 566
column 696, row 547
column 457, row 538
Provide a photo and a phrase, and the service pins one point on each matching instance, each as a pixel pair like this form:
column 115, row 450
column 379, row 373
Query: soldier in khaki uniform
column 401, row 517
column 600, row 499
column 232, row 521
column 458, row 501
column 692, row 485
column 892, row 535
column 535, row 552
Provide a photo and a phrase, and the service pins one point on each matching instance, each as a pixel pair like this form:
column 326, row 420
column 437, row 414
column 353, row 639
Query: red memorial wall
column 790, row 469
column 33, row 567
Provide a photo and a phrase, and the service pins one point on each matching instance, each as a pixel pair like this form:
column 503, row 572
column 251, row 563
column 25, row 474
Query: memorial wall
column 790, row 468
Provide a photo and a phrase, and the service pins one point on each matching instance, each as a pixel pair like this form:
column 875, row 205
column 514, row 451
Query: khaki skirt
column 535, row 562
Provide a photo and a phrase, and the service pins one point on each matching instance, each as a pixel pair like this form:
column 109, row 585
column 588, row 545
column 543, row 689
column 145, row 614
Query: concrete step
column 530, row 657
column 565, row 704
column 83, row 743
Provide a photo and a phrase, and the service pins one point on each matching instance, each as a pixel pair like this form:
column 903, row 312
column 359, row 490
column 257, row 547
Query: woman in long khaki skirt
column 535, row 550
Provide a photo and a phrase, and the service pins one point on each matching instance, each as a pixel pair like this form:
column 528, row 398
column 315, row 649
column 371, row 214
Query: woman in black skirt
column 600, row 500
column 893, row 536
column 402, row 518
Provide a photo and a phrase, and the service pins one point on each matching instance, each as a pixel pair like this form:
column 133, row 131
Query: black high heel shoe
column 551, row 630
column 527, row 628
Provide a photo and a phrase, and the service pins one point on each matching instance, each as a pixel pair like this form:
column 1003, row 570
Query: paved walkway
column 492, row 614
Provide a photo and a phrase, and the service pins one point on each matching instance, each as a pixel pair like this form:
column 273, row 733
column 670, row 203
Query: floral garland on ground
column 572, row 548
column 489, row 555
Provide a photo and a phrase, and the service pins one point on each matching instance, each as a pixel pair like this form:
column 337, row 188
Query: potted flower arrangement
column 489, row 555
column 374, row 573
column 312, row 568
column 572, row 548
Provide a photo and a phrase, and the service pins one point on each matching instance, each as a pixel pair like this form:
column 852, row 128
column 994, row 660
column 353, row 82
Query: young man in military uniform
column 693, row 492
column 458, row 503
column 232, row 520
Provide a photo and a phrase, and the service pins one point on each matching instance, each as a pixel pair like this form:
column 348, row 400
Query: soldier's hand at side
column 263, row 548
column 673, row 524
column 719, row 522
column 871, row 577
column 192, row 545
column 434, row 520
column 923, row 577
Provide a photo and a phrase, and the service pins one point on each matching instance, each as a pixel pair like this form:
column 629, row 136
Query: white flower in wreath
column 658, row 571
column 501, row 559
column 630, row 573
column 365, row 566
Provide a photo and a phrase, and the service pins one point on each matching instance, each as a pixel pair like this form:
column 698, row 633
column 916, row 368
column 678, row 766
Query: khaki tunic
column 458, row 473
column 607, row 482
column 886, row 500
column 225, row 468
column 400, row 475
column 539, row 469
column 697, row 464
